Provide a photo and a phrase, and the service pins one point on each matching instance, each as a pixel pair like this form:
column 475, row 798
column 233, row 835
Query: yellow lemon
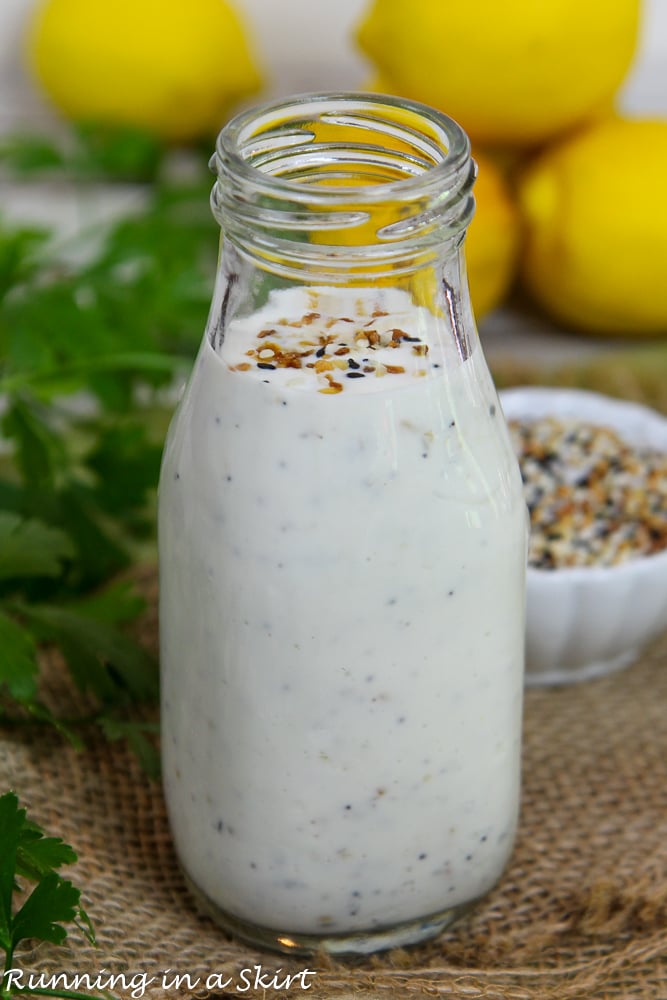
column 507, row 70
column 173, row 67
column 595, row 213
column 492, row 241
column 492, row 244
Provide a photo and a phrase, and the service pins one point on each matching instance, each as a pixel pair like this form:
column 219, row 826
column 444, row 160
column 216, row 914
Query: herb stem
column 9, row 958
column 147, row 362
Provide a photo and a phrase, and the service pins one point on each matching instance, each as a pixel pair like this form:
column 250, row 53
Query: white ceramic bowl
column 585, row 622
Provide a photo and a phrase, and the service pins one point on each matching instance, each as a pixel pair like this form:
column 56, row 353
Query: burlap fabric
column 580, row 913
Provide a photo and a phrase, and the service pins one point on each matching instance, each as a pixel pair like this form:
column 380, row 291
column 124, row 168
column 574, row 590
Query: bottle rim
column 243, row 142
column 343, row 183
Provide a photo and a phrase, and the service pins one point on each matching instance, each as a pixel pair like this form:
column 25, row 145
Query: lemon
column 595, row 212
column 508, row 72
column 492, row 244
column 173, row 67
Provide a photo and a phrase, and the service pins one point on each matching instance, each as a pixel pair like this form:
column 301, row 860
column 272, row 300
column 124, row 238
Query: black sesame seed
column 266, row 365
column 320, row 353
column 351, row 363
column 492, row 410
column 354, row 375
column 422, row 856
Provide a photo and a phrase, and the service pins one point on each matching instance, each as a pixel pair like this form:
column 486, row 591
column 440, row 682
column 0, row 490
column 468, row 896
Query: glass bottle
column 342, row 544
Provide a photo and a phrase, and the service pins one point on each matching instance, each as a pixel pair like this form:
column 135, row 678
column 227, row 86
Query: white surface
column 585, row 622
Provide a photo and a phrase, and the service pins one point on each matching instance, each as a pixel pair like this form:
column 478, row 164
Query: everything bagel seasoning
column 593, row 498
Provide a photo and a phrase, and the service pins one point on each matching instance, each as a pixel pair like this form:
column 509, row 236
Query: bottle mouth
column 343, row 173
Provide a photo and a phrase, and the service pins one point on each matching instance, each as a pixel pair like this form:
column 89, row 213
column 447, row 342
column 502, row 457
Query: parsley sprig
column 28, row 856
column 85, row 339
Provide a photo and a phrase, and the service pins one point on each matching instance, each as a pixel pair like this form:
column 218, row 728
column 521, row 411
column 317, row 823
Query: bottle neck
column 343, row 190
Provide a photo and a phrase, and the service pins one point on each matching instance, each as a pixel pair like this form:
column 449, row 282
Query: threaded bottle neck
column 343, row 187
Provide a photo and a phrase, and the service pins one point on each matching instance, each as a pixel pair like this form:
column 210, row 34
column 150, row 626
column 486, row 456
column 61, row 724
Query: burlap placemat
column 580, row 913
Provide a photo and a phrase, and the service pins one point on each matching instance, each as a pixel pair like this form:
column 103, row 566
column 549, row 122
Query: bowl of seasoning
column 595, row 480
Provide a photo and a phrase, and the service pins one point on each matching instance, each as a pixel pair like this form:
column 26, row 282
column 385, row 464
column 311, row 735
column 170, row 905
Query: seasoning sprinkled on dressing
column 319, row 347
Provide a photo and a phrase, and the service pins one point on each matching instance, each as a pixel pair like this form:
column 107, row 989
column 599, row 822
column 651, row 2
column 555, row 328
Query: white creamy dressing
column 341, row 620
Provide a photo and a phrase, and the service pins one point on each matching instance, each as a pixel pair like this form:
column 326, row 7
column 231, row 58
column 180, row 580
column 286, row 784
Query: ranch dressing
column 342, row 558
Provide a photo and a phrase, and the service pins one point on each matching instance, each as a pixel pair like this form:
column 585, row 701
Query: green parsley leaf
column 118, row 602
column 137, row 735
column 30, row 154
column 19, row 258
column 120, row 152
column 127, row 465
column 39, row 451
column 31, row 548
column 100, row 657
column 38, row 855
column 27, row 854
column 18, row 660
column 52, row 902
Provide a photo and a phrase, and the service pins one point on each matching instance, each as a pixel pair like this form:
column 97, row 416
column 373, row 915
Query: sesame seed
column 592, row 497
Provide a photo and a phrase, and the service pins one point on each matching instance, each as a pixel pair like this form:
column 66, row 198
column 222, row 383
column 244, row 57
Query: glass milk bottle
column 342, row 544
